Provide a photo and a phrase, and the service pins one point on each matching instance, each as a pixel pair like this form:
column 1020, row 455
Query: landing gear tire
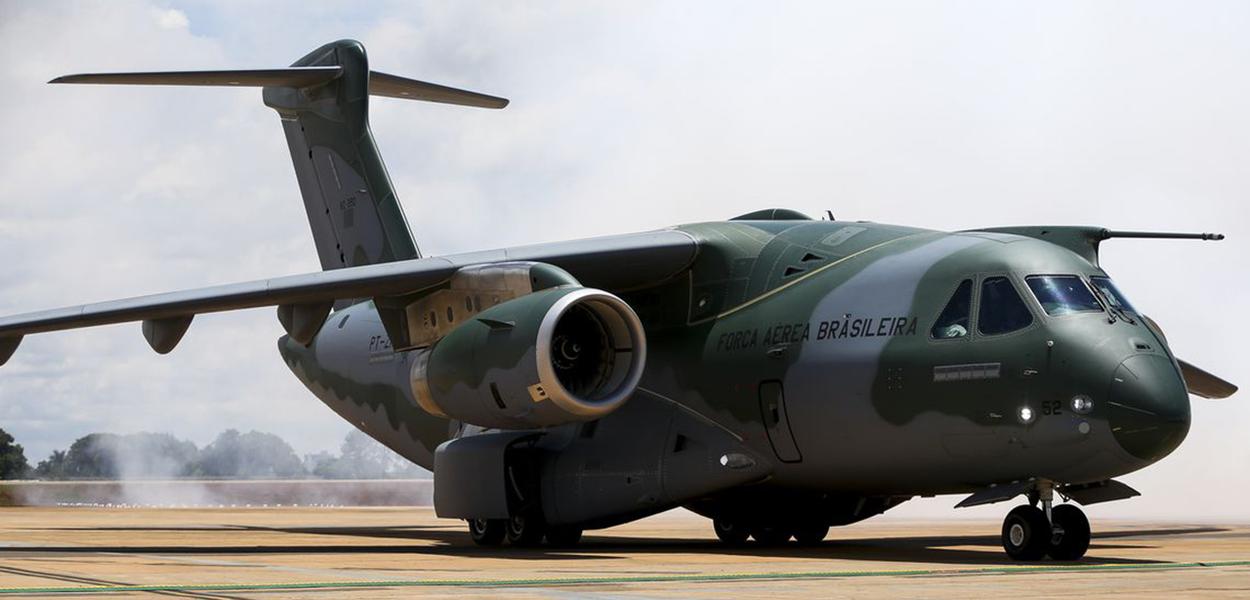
column 525, row 531
column 730, row 532
column 811, row 535
column 1070, row 533
column 564, row 537
column 771, row 536
column 488, row 532
column 1026, row 533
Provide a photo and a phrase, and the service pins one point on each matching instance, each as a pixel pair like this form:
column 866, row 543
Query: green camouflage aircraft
column 776, row 374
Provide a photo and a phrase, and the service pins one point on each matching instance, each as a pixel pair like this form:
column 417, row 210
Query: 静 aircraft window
column 1112, row 293
column 1002, row 310
column 1062, row 294
column 953, row 322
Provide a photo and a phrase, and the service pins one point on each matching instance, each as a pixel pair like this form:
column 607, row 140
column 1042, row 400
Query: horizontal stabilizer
column 284, row 77
column 380, row 84
column 394, row 86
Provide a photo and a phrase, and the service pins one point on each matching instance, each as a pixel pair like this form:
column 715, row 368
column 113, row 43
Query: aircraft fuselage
column 814, row 342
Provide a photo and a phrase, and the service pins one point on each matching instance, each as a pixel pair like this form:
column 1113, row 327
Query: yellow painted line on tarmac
column 658, row 578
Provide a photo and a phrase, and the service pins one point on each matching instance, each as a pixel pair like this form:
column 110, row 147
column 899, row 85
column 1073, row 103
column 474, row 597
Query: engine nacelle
column 548, row 358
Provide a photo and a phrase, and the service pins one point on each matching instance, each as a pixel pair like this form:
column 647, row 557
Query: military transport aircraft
column 776, row 374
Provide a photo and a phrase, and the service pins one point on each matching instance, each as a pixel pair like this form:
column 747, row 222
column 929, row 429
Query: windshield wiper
column 1113, row 308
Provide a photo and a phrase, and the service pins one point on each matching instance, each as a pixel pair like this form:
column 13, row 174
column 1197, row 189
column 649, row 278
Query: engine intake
column 548, row 358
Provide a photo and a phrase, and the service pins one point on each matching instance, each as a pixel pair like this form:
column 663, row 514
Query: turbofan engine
column 548, row 358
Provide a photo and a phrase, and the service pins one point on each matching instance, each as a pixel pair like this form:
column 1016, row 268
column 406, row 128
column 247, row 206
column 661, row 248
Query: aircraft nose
column 1148, row 406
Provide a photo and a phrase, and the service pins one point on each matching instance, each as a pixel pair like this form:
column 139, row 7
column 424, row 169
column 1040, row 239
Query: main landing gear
column 734, row 533
column 1030, row 532
column 522, row 531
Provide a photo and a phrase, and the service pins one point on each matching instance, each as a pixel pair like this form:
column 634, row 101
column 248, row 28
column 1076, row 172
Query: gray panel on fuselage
column 831, row 383
column 352, row 368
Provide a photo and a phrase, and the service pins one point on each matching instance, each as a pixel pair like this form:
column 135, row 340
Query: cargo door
column 777, row 422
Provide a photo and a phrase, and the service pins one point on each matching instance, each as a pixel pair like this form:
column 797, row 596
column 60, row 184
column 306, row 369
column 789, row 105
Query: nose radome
column 1148, row 406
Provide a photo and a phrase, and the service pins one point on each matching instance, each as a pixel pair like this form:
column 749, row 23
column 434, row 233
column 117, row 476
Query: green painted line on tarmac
column 659, row 578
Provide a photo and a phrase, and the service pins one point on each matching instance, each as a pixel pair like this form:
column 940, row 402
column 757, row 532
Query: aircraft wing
column 1203, row 384
column 615, row 262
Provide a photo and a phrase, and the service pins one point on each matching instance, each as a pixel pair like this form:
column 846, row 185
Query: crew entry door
column 777, row 423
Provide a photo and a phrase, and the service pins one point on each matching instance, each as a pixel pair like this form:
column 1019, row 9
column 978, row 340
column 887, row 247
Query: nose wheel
column 1069, row 533
column 1028, row 535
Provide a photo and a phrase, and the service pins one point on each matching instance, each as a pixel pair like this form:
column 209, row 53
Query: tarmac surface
column 404, row 552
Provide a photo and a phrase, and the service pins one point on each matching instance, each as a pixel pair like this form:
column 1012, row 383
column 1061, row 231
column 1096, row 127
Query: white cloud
column 171, row 18
column 630, row 117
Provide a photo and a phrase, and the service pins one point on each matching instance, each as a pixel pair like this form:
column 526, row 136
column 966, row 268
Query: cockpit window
column 1063, row 294
column 953, row 322
column 1111, row 293
column 1002, row 310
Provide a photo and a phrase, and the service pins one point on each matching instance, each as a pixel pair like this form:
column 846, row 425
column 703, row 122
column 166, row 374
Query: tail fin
column 323, row 101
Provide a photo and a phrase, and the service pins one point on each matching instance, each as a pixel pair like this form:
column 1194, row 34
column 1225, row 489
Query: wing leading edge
column 615, row 262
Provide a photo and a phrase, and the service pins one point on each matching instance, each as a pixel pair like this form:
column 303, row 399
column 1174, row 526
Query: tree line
column 232, row 455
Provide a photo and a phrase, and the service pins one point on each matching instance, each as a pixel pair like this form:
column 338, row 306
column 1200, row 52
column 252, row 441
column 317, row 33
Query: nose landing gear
column 1029, row 532
column 1026, row 533
column 1070, row 537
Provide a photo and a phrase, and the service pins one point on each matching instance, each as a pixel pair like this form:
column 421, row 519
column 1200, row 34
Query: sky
column 625, row 116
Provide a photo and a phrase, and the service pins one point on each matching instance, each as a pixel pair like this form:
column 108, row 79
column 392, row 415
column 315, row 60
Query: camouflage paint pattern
column 352, row 209
column 810, row 341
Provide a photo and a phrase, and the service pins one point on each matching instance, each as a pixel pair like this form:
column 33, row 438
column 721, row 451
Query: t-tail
column 323, row 101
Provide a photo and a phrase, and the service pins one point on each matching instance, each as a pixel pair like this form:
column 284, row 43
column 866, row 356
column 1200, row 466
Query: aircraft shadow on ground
column 968, row 549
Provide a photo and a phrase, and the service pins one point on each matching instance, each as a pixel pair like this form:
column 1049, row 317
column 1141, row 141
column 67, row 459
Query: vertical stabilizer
column 352, row 209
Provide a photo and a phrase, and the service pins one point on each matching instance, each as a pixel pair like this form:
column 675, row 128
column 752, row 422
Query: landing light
column 1081, row 405
column 1026, row 415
